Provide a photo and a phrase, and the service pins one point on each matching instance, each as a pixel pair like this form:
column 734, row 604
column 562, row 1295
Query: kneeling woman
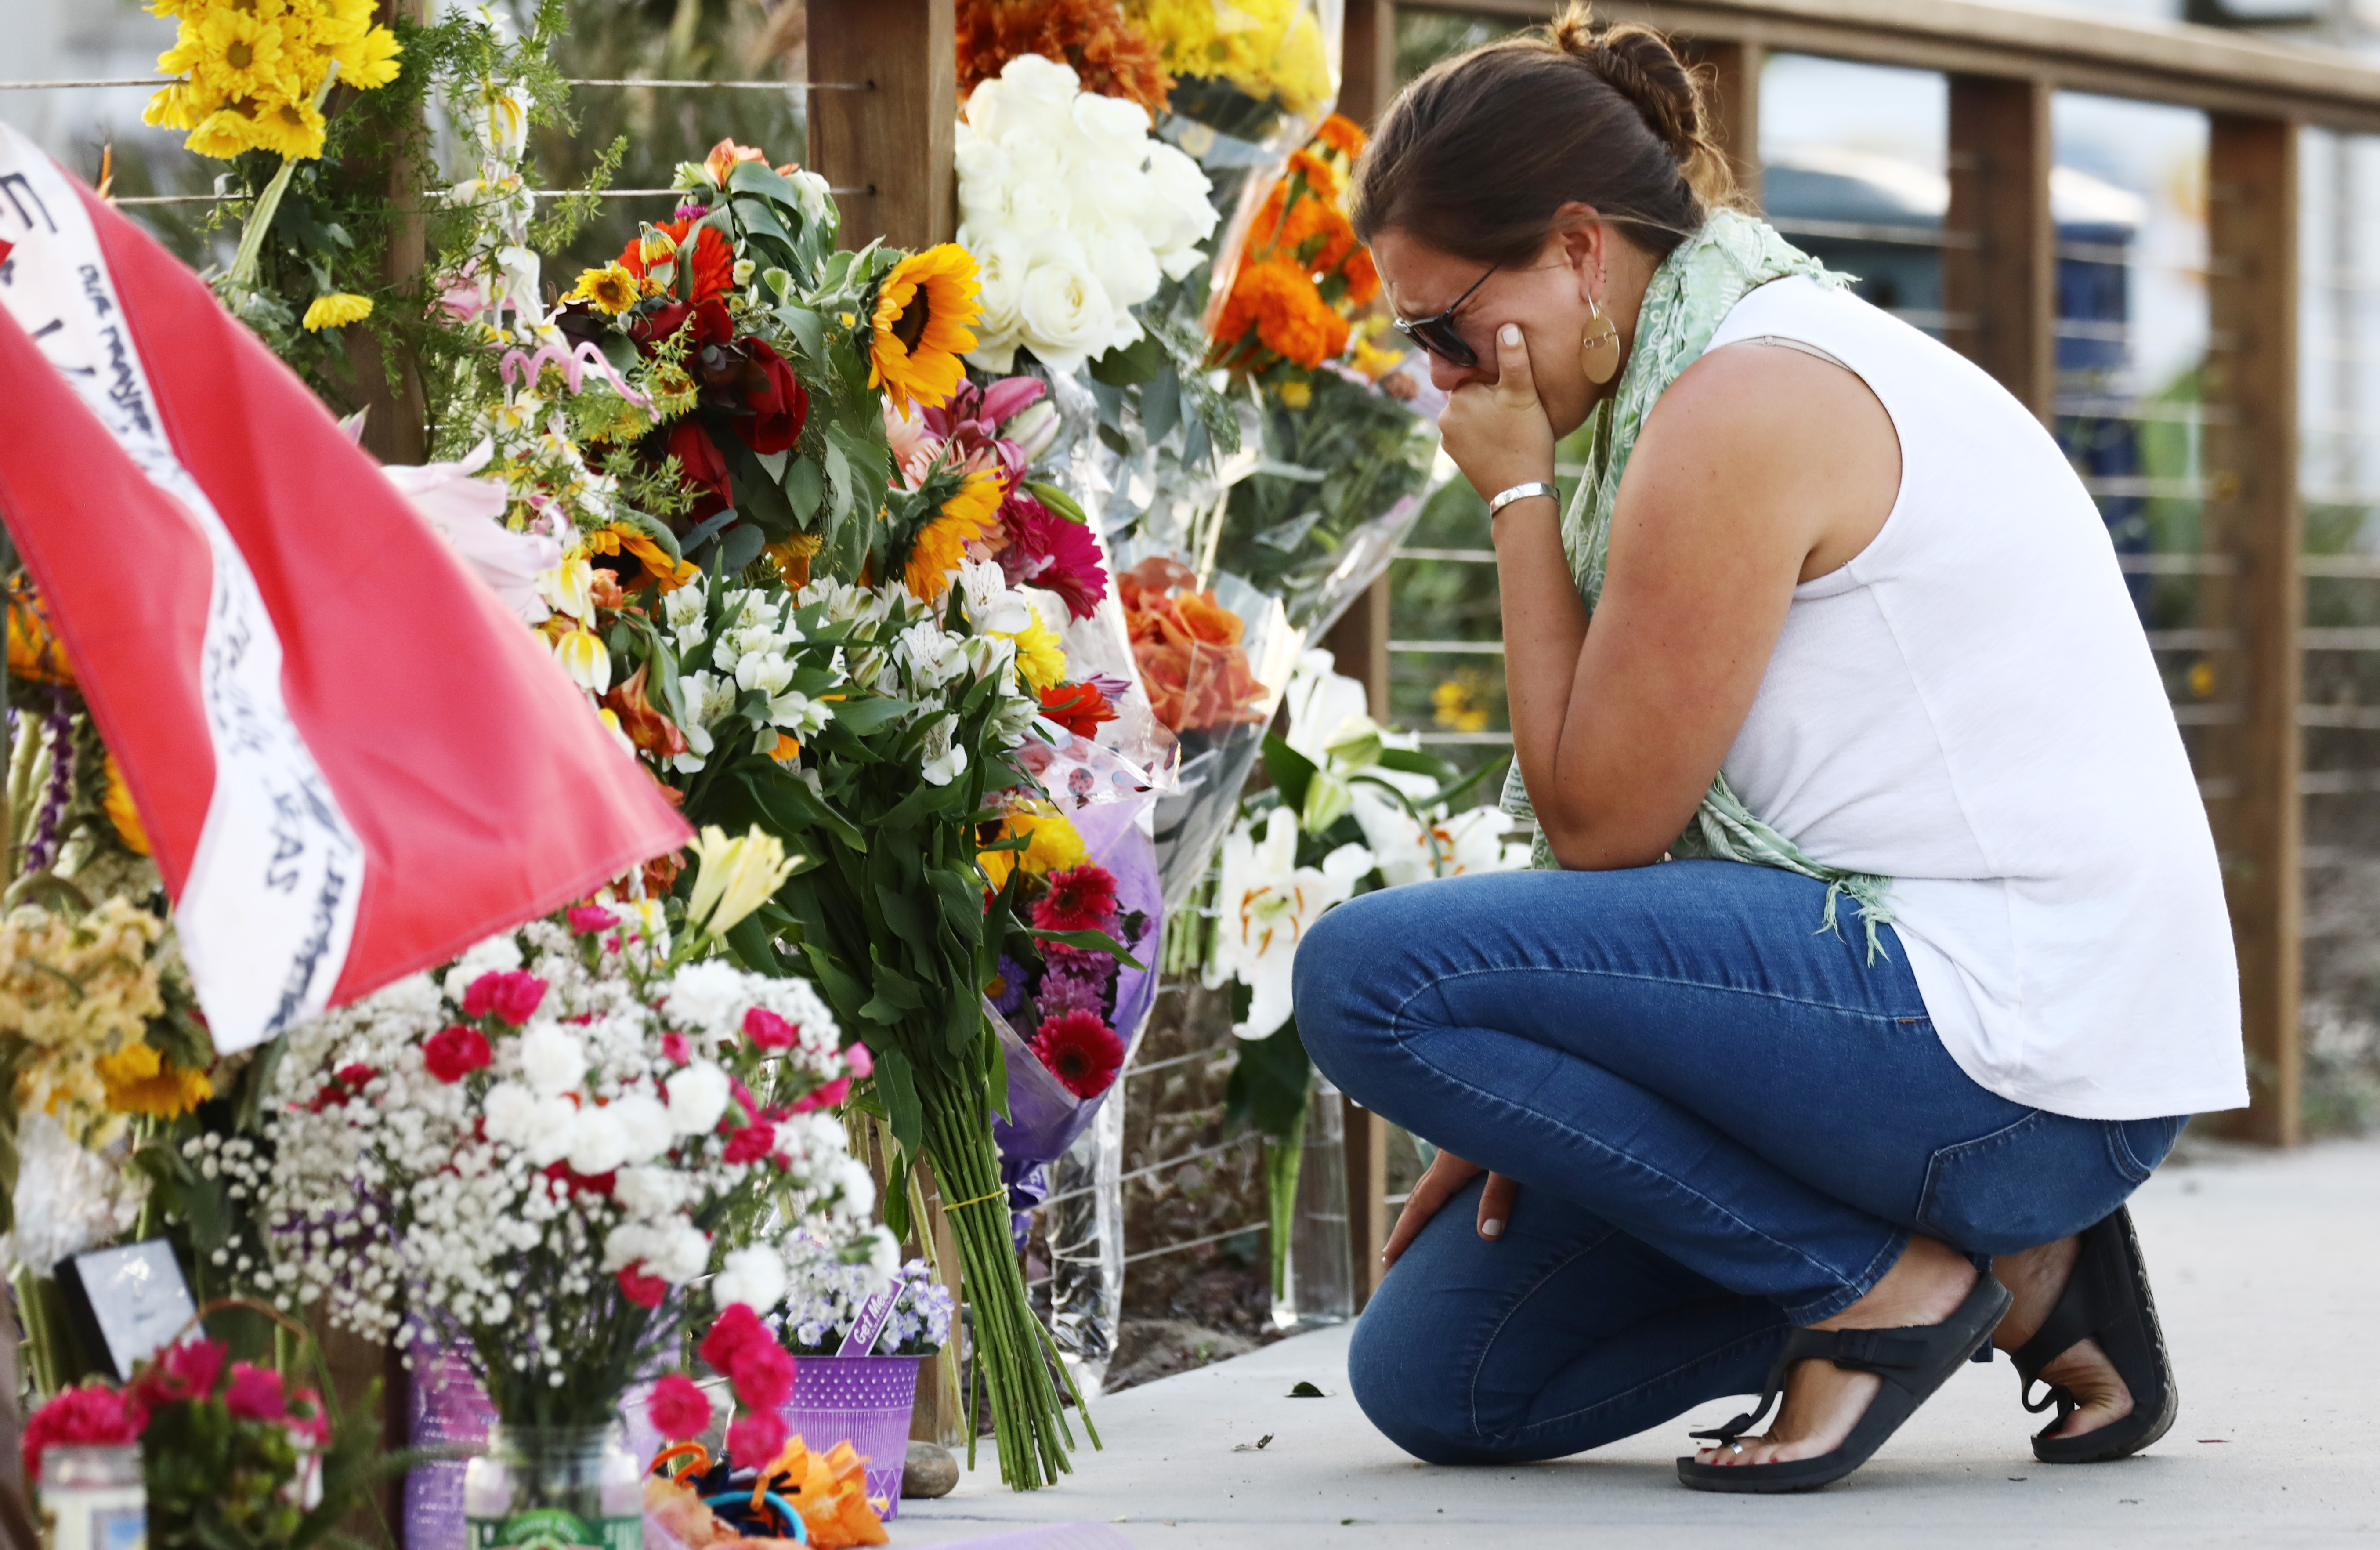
column 1856, row 1082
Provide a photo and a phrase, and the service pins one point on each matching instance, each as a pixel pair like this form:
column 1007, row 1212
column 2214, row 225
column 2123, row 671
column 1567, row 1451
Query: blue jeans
column 1723, row 1122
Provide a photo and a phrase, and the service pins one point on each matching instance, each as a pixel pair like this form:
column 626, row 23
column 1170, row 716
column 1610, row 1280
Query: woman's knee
column 1342, row 987
column 1406, row 1386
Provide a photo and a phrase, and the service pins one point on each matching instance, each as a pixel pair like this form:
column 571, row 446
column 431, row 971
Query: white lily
column 1267, row 902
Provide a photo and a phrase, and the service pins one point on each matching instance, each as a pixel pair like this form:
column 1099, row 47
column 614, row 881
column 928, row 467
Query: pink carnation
column 763, row 1371
column 767, row 1030
column 757, row 1437
column 733, row 1329
column 862, row 1063
column 455, row 1052
column 92, row 1415
column 678, row 1408
column 589, row 919
column 255, row 1393
column 640, row 1286
column 752, row 1143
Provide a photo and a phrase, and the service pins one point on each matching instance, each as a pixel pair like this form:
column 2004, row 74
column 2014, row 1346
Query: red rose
column 703, row 469
column 255, row 1393
column 678, row 1408
column 455, row 1052
column 651, row 328
column 767, row 1030
column 757, row 1437
column 513, row 995
column 752, row 1143
column 763, row 1371
column 775, row 400
column 644, row 1290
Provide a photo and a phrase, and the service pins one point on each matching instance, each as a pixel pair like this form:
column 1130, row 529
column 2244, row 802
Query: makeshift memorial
column 815, row 1496
column 1341, row 785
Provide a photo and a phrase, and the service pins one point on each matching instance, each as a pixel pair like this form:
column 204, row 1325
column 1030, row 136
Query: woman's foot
column 1823, row 1402
column 2035, row 1279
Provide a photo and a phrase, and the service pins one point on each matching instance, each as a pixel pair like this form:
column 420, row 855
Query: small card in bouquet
column 131, row 1299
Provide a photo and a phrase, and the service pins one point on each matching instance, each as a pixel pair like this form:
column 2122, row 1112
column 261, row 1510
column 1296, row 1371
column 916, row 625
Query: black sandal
column 1913, row 1361
column 2107, row 1299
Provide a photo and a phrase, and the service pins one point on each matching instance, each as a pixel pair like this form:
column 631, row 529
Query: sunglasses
column 1436, row 332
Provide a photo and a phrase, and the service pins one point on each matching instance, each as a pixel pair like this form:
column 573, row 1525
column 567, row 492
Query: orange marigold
column 1277, row 300
column 1343, row 134
column 1112, row 56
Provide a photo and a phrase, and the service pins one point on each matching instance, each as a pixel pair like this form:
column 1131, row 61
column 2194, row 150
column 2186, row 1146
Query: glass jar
column 94, row 1497
column 554, row 1488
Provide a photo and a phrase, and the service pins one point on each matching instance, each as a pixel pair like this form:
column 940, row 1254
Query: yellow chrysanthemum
column 140, row 1080
column 1295, row 395
column 610, row 290
column 223, row 134
column 117, row 804
column 1052, row 843
column 1040, row 658
column 336, row 310
column 922, row 327
column 370, row 60
column 236, row 54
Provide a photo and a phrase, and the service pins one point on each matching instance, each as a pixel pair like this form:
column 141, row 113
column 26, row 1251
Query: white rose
column 1124, row 263
column 1039, row 76
column 1177, row 183
column 1066, row 315
column 754, row 1276
column 1039, row 204
column 1114, row 127
column 1110, row 194
column 1002, row 260
column 1037, row 100
column 698, row 1096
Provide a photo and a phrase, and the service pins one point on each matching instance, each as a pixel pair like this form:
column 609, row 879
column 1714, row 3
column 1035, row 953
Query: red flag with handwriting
column 352, row 760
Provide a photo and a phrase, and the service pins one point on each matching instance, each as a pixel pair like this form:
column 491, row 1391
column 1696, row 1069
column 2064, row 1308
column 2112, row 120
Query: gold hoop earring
column 1598, row 353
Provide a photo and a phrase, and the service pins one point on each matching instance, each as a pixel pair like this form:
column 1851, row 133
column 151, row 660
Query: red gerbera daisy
column 1079, row 708
column 1080, row 1052
column 1080, row 898
column 713, row 260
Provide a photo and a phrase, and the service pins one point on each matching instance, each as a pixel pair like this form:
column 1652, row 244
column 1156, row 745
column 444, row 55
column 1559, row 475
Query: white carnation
column 754, row 1276
column 698, row 1097
column 552, row 1058
column 507, row 1110
column 597, row 1144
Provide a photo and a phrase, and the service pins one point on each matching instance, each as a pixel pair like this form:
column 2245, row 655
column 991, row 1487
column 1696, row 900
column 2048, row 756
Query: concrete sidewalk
column 2268, row 1272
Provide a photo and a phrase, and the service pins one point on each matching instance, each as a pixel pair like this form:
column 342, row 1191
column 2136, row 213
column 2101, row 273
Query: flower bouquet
column 538, row 1152
column 1346, row 463
column 1252, row 78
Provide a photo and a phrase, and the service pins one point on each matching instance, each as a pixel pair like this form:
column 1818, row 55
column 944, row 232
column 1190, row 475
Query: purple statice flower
column 43, row 848
column 1006, row 990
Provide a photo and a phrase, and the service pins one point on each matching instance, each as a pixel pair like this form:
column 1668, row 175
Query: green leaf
column 748, row 940
column 1058, row 501
column 864, row 717
column 1267, row 1089
column 759, row 178
column 1413, row 761
column 838, row 474
column 1160, row 403
column 808, row 330
column 1137, row 362
column 901, row 913
column 1292, row 772
column 804, row 486
column 1091, row 942
column 897, row 1080
column 741, row 546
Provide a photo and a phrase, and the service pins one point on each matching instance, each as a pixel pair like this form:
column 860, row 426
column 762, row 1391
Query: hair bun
column 1637, row 63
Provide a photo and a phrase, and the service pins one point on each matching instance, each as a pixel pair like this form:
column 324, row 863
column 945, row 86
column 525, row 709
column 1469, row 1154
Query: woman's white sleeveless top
column 1969, row 708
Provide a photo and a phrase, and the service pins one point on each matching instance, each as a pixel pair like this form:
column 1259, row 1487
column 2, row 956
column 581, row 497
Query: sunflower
column 140, row 1080
column 610, row 290
column 792, row 557
column 942, row 544
column 117, row 805
column 335, row 309
column 922, row 314
column 34, row 650
column 627, row 538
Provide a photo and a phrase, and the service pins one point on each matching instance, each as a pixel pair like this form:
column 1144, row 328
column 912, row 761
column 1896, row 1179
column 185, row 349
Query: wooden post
column 1367, row 60
column 1367, row 1197
column 892, row 140
column 395, row 418
column 1733, row 88
column 2000, row 256
column 2250, row 515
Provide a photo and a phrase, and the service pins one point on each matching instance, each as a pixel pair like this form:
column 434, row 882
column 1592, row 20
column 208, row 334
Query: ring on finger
column 1736, row 1448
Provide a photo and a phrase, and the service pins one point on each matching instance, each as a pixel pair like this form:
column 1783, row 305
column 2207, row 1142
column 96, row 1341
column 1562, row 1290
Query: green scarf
column 1690, row 292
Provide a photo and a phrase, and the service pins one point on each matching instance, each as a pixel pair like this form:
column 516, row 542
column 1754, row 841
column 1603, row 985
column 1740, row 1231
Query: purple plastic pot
column 863, row 1401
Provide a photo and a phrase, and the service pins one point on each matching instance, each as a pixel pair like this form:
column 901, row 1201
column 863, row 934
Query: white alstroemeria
column 569, row 588
column 989, row 655
column 684, row 611
column 933, row 655
column 799, row 714
column 993, row 607
column 584, row 657
column 768, row 674
column 945, row 760
column 709, row 697
column 1267, row 903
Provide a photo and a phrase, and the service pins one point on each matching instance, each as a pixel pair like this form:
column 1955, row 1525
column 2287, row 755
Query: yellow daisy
column 370, row 61
column 1052, row 843
column 289, row 127
column 1040, row 659
column 920, row 324
column 237, row 54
